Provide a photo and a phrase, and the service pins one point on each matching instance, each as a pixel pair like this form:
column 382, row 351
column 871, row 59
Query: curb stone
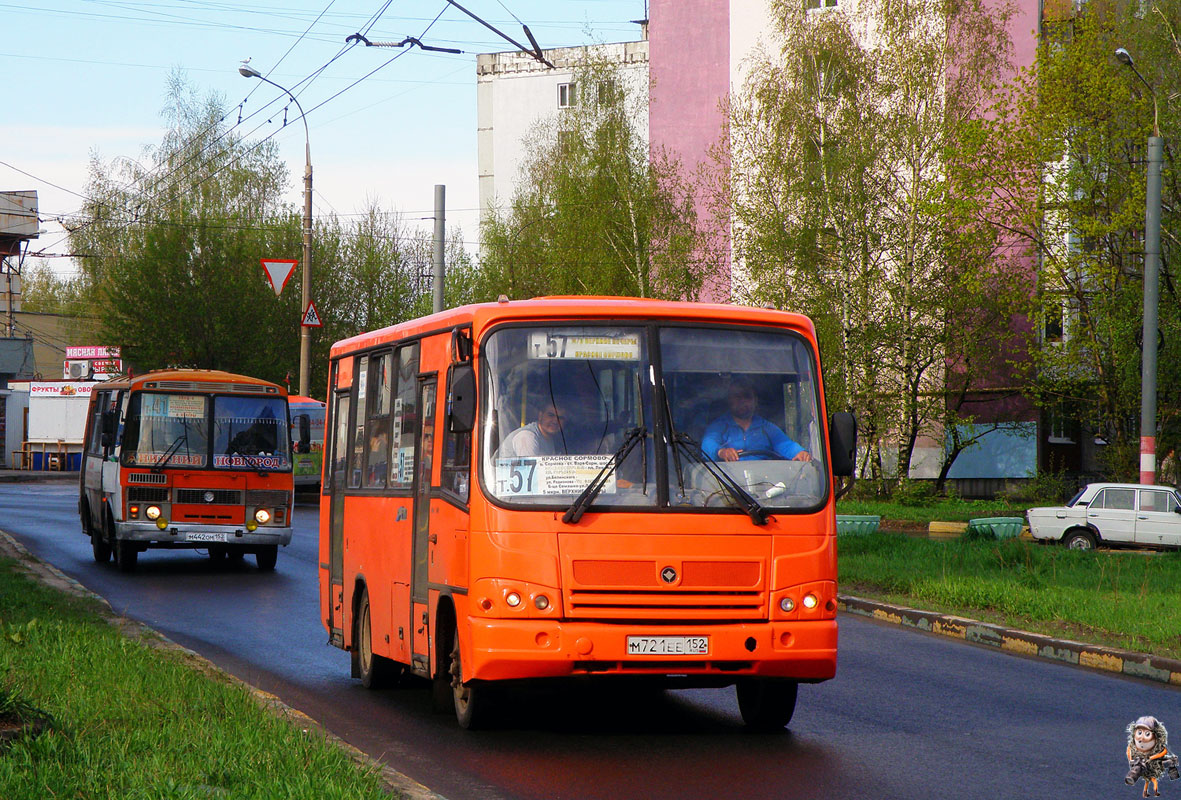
column 1109, row 659
column 49, row 575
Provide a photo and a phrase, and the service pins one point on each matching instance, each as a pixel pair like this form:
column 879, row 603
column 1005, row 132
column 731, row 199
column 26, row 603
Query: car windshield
column 166, row 429
column 561, row 400
column 558, row 401
column 250, row 433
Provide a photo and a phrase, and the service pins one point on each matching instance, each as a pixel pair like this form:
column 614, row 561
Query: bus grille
column 221, row 497
column 703, row 590
column 267, row 497
column 147, row 494
column 147, row 477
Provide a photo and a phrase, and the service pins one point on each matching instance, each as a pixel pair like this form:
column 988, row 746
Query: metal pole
column 440, row 245
column 305, row 333
column 1152, row 204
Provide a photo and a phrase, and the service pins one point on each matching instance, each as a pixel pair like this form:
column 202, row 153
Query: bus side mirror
column 110, row 425
column 842, row 439
column 463, row 398
column 305, row 433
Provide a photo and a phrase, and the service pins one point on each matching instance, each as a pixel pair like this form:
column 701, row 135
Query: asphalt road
column 909, row 715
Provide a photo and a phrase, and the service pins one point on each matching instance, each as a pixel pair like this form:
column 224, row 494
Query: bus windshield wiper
column 583, row 501
column 743, row 498
column 171, row 451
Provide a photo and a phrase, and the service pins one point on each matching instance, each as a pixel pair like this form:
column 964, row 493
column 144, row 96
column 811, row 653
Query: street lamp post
column 1152, row 206
column 305, row 341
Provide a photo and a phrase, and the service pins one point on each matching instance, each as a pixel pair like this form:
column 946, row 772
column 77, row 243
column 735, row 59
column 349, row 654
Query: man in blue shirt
column 741, row 433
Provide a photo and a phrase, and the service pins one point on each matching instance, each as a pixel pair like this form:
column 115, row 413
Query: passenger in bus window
column 742, row 434
column 542, row 437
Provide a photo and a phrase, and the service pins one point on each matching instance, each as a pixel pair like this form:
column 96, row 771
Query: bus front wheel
column 469, row 700
column 766, row 704
column 266, row 556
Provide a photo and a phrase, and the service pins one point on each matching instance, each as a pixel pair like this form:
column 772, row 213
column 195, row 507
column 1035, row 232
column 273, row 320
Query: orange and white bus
column 582, row 488
column 196, row 459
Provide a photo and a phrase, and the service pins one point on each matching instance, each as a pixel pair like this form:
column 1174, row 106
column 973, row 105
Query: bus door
column 423, row 465
column 337, row 479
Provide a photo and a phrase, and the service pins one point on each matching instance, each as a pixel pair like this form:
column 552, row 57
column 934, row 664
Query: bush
column 914, row 493
column 1050, row 487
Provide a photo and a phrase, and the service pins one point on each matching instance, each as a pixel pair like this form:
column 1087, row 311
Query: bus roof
column 482, row 315
column 195, row 380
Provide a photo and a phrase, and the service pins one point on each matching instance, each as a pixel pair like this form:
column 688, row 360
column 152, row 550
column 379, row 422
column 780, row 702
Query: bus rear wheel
column 766, row 704
column 266, row 556
column 375, row 672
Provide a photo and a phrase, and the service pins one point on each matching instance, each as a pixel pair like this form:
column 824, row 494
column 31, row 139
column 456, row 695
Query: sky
column 88, row 79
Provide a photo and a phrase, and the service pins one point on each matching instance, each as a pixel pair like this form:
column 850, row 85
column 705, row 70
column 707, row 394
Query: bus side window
column 97, row 406
column 404, row 418
column 357, row 462
column 457, row 453
column 378, row 449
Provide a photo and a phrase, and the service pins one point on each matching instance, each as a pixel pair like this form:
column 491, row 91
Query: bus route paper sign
column 565, row 474
column 278, row 271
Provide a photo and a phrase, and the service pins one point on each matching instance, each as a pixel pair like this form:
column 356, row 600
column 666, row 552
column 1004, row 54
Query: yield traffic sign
column 278, row 271
column 311, row 317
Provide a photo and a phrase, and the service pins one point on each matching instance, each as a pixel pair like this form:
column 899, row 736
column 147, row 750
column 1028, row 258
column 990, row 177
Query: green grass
column 135, row 721
column 1120, row 599
column 942, row 509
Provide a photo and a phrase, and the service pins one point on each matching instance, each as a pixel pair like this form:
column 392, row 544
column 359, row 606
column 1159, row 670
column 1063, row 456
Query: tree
column 174, row 247
column 1084, row 120
column 593, row 214
column 855, row 192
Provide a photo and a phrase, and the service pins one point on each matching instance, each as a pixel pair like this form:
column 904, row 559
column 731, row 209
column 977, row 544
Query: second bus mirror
column 842, row 438
column 110, row 425
column 463, row 398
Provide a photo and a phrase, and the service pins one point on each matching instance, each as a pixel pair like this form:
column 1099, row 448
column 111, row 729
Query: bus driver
column 742, row 434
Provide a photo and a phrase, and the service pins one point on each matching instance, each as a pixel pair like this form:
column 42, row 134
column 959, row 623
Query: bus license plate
column 204, row 536
column 668, row 645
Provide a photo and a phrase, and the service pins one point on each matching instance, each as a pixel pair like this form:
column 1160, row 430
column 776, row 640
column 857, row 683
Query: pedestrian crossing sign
column 311, row 317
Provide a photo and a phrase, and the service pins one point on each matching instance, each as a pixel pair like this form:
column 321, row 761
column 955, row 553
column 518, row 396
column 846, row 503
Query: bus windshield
column 561, row 401
column 174, row 430
column 739, row 407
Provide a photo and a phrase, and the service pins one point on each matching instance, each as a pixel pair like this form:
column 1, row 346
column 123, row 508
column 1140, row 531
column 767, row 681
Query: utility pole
column 437, row 265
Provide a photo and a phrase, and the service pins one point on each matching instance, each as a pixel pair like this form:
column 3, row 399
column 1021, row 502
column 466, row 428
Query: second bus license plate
column 668, row 645
column 202, row 536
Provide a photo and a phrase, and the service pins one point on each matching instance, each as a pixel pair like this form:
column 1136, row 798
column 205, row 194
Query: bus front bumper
column 513, row 649
column 182, row 534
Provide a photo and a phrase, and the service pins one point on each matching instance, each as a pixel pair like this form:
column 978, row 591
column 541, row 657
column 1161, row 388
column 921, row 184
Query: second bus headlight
column 262, row 516
column 152, row 512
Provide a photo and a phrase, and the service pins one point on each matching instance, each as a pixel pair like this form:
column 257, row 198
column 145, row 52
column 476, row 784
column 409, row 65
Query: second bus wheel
column 266, row 556
column 766, row 704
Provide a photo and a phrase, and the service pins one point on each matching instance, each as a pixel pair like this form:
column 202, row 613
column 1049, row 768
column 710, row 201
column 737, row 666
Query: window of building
column 817, row 5
column 567, row 95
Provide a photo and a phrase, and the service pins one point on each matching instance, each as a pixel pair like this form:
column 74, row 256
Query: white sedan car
column 1117, row 514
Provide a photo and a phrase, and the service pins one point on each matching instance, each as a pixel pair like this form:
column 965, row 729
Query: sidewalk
column 37, row 476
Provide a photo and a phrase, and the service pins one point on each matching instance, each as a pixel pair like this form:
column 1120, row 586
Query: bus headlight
column 810, row 600
column 541, row 602
column 787, row 604
column 513, row 599
column 152, row 512
column 262, row 516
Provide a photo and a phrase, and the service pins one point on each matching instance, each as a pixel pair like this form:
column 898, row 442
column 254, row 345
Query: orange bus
column 196, row 459
column 573, row 487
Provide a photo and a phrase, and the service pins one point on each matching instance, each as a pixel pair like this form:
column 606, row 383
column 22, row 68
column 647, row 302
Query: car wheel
column 1079, row 539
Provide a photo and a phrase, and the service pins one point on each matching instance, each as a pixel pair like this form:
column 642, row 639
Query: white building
column 515, row 92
